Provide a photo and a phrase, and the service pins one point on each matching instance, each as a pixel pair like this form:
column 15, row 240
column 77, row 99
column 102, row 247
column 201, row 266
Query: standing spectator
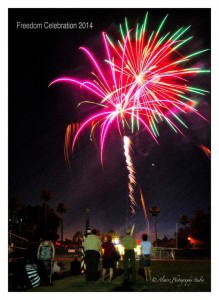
column 108, row 258
column 145, row 260
column 129, row 244
column 46, row 254
column 91, row 246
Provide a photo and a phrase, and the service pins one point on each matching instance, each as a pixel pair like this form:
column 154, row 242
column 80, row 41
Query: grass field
column 167, row 276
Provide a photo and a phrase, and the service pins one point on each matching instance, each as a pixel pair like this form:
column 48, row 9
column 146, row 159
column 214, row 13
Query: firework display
column 144, row 80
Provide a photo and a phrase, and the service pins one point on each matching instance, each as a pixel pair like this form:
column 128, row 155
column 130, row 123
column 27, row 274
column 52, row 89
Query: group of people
column 93, row 248
column 42, row 271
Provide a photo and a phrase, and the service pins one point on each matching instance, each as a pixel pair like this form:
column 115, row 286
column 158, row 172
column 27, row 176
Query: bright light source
column 138, row 250
column 116, row 241
column 139, row 78
column 120, row 249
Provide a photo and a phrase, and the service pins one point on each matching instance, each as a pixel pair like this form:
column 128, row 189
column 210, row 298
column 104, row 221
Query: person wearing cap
column 92, row 246
column 129, row 244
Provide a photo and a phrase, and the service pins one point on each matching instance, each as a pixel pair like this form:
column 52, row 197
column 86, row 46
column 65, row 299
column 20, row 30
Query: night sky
column 174, row 175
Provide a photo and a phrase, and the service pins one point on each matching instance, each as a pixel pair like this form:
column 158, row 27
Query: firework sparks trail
column 145, row 212
column 69, row 133
column 132, row 229
column 131, row 173
column 145, row 81
column 206, row 150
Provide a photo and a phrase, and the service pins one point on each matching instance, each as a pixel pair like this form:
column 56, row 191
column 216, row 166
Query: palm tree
column 154, row 210
column 184, row 220
column 61, row 209
column 46, row 196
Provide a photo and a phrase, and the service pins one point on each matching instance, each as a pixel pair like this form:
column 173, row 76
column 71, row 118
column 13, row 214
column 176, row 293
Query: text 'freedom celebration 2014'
column 54, row 25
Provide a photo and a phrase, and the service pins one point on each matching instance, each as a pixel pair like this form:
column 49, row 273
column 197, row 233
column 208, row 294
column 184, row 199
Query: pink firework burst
column 145, row 83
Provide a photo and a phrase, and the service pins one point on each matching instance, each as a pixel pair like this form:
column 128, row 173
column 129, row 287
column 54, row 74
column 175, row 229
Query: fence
column 163, row 253
column 16, row 242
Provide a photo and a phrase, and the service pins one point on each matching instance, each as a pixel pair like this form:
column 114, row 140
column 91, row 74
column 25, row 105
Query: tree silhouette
column 14, row 208
column 33, row 225
column 78, row 238
column 46, row 196
column 154, row 211
column 184, row 220
column 61, row 209
column 200, row 227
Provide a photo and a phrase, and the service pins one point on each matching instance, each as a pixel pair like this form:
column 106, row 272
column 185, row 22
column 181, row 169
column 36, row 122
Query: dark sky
column 174, row 175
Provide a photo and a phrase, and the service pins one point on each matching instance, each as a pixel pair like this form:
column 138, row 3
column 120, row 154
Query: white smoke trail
column 131, row 176
column 132, row 229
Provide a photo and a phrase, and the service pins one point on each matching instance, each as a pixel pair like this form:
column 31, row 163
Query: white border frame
column 4, row 5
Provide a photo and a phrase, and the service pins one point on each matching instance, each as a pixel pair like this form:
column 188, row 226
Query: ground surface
column 167, row 276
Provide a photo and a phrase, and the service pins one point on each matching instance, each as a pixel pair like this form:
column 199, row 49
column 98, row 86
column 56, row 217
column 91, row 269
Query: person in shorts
column 145, row 260
column 45, row 255
column 108, row 258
